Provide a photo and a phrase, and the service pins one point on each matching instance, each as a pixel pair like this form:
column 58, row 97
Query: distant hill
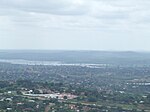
column 99, row 57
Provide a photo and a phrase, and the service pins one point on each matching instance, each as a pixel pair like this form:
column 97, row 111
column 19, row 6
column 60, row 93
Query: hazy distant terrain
column 90, row 57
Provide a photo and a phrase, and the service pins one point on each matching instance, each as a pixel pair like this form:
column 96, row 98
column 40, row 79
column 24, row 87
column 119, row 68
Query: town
column 49, row 88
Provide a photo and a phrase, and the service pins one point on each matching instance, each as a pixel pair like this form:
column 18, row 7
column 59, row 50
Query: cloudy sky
column 75, row 24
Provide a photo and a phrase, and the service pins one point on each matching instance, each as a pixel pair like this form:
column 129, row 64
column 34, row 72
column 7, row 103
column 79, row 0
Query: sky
column 119, row 25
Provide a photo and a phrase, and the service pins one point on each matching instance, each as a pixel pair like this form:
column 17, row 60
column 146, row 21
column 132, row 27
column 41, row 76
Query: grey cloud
column 75, row 13
column 61, row 24
column 60, row 7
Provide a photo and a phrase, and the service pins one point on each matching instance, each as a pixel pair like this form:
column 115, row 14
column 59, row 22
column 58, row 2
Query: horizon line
column 92, row 50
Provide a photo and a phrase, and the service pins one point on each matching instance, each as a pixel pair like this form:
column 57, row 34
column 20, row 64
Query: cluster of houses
column 59, row 96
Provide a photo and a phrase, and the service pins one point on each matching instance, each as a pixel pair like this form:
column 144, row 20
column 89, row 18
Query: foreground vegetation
column 13, row 99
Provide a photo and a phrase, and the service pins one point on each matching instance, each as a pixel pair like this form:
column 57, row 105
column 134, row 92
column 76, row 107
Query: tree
column 65, row 97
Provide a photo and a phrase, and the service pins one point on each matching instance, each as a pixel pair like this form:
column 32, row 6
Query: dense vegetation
column 122, row 85
column 12, row 99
